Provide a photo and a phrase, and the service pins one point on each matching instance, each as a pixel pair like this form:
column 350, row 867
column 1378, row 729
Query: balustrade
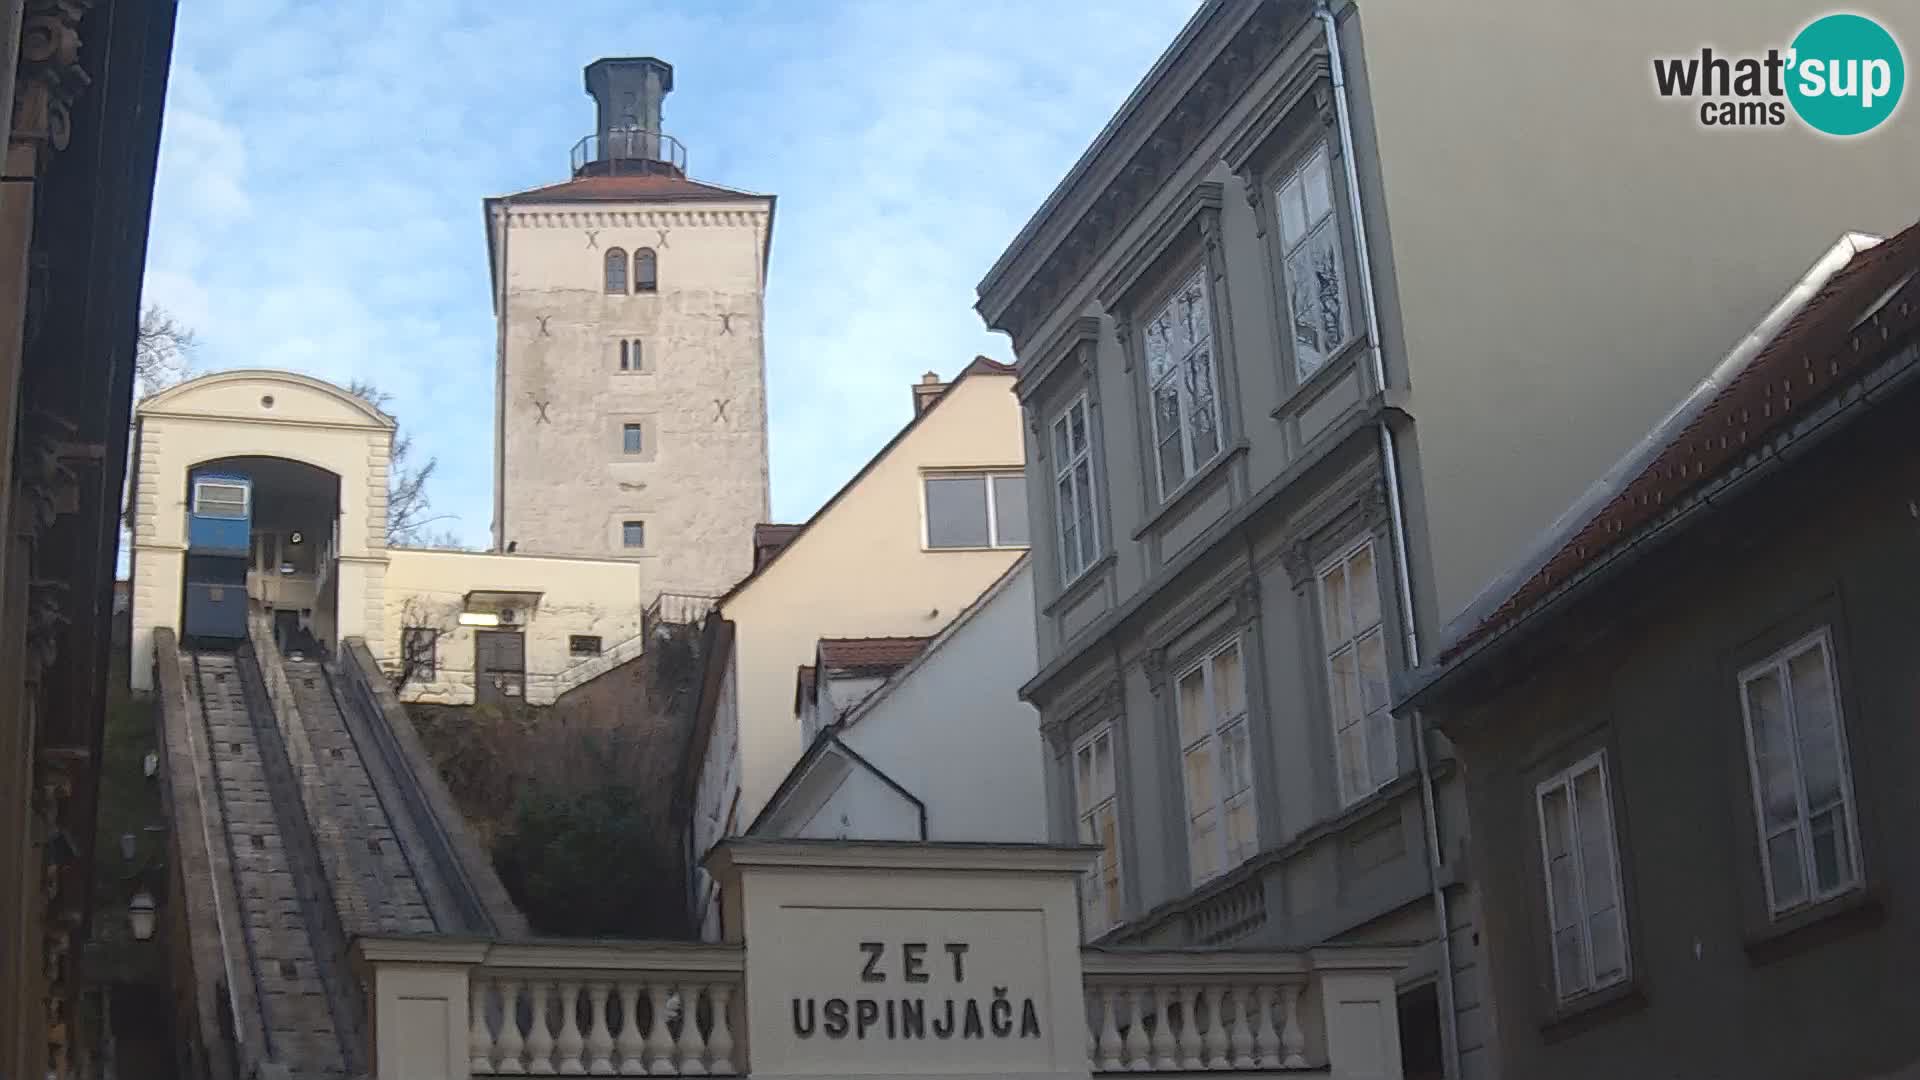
column 1195, row 1011
column 602, row 1023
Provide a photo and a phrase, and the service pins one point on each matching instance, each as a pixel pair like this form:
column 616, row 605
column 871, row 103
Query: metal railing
column 675, row 609
column 630, row 150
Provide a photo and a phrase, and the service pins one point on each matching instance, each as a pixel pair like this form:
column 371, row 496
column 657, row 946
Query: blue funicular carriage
column 219, row 551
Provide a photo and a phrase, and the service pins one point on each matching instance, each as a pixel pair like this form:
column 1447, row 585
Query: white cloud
column 322, row 168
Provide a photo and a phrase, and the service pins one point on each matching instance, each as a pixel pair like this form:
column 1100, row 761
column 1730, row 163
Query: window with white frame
column 1315, row 280
column 1216, row 763
column 976, row 510
column 1582, row 867
column 1180, row 378
column 220, row 499
column 1802, row 783
column 1073, row 507
column 1096, row 804
column 1357, row 687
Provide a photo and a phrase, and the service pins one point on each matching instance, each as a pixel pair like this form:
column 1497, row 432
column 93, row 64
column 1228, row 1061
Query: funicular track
column 288, row 922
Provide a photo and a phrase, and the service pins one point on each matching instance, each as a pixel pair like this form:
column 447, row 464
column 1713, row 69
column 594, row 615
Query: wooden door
column 499, row 666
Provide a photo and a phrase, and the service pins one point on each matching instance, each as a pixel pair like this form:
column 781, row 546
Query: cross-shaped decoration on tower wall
column 726, row 321
column 663, row 236
column 593, row 238
column 542, row 406
column 543, row 325
column 720, row 408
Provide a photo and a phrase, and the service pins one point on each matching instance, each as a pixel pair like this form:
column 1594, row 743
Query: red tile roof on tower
column 1818, row 351
column 630, row 187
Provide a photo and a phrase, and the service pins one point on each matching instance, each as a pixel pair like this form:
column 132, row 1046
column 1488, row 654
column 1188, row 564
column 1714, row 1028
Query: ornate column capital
column 50, row 76
column 1155, row 666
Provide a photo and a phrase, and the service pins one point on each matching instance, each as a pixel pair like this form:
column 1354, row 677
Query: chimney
column 925, row 391
column 627, row 93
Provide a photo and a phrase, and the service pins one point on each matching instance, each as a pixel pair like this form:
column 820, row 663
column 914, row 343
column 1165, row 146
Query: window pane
column 1228, row 687
column 1317, row 183
column 1083, row 493
column 1083, row 789
column 1236, row 746
column 1832, row 861
column 1383, row 751
column 1159, row 346
column 630, row 438
column 1570, row 961
column 1195, row 321
column 1351, row 749
column 1199, row 767
column 1365, row 588
column 1333, row 607
column 1194, row 721
column 1609, row 946
column 1077, row 419
column 1166, row 426
column 1592, row 811
column 1203, row 846
column 1062, row 455
column 645, row 274
column 1103, row 766
column 633, row 534
column 1814, row 721
column 1329, row 286
column 956, row 511
column 1241, row 829
column 1293, row 212
column 1783, row 860
column 1070, row 562
column 1371, row 659
column 1201, row 409
column 616, row 271
column 1772, row 752
column 1343, row 684
column 1010, row 510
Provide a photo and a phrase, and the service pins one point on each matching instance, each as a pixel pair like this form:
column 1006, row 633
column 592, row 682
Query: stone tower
column 630, row 397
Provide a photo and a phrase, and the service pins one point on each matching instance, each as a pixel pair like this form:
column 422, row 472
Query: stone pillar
column 1362, row 1021
column 417, row 1015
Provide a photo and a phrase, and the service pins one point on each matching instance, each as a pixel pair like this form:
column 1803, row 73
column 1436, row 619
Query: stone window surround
column 616, row 438
column 1564, row 782
column 644, row 366
column 1186, row 234
column 1768, row 938
column 615, row 532
column 1068, row 370
column 1335, row 524
column 1064, row 726
column 1556, row 1018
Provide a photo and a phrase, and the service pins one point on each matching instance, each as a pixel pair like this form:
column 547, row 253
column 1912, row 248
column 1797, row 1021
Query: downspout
column 500, row 382
column 1396, row 512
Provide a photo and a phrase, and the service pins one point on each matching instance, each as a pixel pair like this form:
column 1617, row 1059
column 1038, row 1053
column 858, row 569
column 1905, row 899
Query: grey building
column 1325, row 325
column 1687, row 720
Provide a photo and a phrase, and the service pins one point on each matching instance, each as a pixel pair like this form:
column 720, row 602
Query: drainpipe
column 1396, row 512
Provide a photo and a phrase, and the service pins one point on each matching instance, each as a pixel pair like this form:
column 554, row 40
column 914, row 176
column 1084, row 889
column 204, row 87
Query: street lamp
column 140, row 915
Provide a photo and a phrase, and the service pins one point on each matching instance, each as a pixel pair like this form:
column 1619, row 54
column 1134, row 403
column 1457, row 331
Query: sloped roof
column 1800, row 366
column 868, row 653
column 768, row 539
column 630, row 187
column 979, row 366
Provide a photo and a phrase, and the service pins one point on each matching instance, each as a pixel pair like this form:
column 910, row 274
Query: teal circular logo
column 1846, row 74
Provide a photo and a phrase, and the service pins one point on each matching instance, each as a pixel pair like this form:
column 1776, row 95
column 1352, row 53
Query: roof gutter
column 1900, row 371
column 1642, row 454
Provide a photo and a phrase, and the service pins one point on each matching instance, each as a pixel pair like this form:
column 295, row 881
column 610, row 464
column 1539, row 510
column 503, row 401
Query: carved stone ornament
column 1256, row 202
column 1246, row 601
column 1210, row 232
column 50, row 76
column 1155, row 666
column 1323, row 105
column 1297, row 561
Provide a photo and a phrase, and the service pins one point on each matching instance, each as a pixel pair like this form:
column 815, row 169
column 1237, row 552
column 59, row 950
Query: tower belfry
column 630, row 409
column 629, row 134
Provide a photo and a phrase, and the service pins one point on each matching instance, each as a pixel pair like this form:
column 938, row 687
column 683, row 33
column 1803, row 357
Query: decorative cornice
column 1246, row 601
column 50, row 77
column 1069, row 346
column 1163, row 152
column 581, row 219
column 1154, row 664
column 1198, row 209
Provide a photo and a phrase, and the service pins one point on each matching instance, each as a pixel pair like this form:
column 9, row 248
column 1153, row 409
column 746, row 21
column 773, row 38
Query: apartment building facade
column 1305, row 354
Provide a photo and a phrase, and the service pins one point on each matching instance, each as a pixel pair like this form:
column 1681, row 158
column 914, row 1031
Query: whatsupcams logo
column 1842, row 75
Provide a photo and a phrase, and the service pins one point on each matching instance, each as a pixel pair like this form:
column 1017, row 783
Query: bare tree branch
column 408, row 517
column 163, row 352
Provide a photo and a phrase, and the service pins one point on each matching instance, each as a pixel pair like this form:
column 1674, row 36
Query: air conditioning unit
column 508, row 616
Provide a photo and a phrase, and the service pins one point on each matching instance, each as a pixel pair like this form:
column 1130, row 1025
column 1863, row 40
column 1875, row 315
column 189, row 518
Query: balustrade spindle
column 1138, row 1048
column 479, row 1038
column 540, row 1038
column 1265, row 1041
column 1189, row 1041
column 1109, row 1031
column 570, row 1044
column 1240, row 1035
column 693, row 1049
column 1163, row 1044
column 1219, row 1009
column 599, row 1031
column 1293, row 1041
column 630, row 1046
column 512, row 1047
column 659, row 1041
column 721, row 1043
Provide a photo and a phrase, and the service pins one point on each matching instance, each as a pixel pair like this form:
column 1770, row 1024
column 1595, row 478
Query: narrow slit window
column 616, row 272
column 630, row 441
column 633, row 534
column 630, row 354
column 645, row 271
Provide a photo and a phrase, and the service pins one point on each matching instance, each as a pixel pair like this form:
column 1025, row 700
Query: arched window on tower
column 616, row 272
column 645, row 271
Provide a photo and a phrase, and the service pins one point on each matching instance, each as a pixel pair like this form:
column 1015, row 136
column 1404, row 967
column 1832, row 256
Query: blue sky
column 323, row 161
